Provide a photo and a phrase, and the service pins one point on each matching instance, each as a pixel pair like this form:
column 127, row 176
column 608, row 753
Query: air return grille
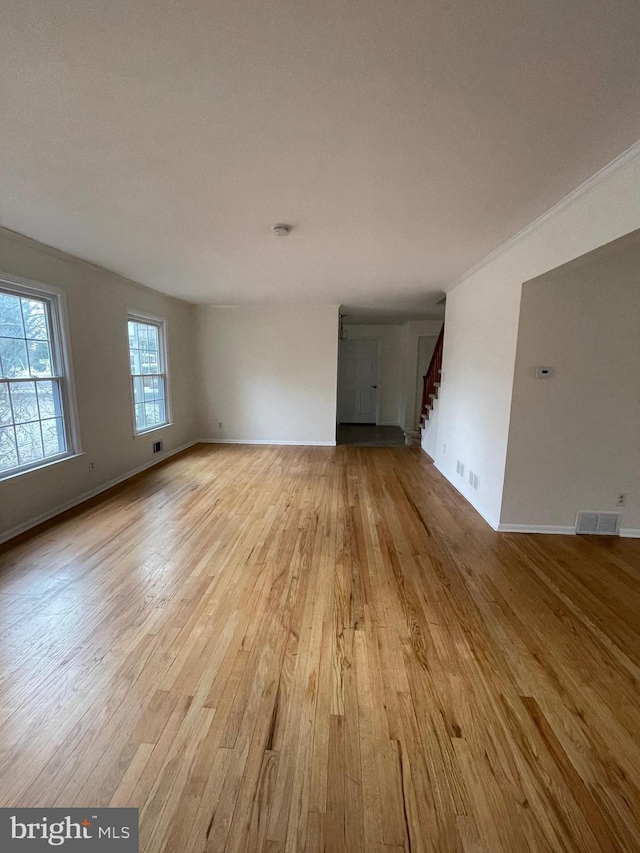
column 598, row 523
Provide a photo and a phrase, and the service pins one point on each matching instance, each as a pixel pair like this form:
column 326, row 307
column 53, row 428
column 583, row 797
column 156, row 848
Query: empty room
column 320, row 426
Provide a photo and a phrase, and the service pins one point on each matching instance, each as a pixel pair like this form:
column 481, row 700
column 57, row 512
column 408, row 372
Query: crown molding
column 616, row 165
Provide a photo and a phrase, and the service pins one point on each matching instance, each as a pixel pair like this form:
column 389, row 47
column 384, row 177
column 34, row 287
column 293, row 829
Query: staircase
column 431, row 381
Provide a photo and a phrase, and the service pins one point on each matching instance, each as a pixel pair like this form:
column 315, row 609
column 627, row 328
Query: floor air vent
column 598, row 523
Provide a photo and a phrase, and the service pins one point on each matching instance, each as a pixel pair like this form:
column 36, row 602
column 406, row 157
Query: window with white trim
column 147, row 356
column 34, row 395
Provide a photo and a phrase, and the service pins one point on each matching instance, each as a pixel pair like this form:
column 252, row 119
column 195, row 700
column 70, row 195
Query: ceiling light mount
column 281, row 230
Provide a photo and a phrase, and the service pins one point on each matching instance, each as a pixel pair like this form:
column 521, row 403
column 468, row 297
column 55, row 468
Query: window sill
column 144, row 432
column 38, row 466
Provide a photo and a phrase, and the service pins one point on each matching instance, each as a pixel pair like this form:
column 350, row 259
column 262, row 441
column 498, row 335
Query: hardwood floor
column 309, row 649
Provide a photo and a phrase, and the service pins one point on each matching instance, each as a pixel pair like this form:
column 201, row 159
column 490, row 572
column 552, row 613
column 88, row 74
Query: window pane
column 24, row 401
column 29, row 443
column 133, row 335
column 140, row 421
column 53, row 437
column 49, row 401
column 34, row 314
column 152, row 338
column 13, row 358
column 40, row 358
column 147, row 383
column 8, row 452
column 138, row 393
column 134, row 356
column 5, row 405
column 149, row 361
column 152, row 412
column 10, row 317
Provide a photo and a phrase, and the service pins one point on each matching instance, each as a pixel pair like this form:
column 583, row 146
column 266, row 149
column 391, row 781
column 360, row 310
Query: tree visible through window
column 32, row 419
column 148, row 374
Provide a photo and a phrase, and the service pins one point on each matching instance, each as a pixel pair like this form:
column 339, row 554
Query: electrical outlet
column 621, row 499
column 92, row 466
column 219, row 424
column 444, row 449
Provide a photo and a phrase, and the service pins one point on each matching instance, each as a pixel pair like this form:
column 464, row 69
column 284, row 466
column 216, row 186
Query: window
column 34, row 416
column 147, row 355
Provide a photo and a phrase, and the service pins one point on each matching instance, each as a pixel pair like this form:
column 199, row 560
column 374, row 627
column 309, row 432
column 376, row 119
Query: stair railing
column 431, row 379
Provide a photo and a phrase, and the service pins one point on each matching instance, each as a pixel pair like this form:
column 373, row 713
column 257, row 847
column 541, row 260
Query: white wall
column 97, row 305
column 482, row 324
column 267, row 372
column 574, row 438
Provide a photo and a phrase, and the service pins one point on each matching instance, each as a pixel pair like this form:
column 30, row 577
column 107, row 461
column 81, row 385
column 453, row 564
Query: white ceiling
column 403, row 139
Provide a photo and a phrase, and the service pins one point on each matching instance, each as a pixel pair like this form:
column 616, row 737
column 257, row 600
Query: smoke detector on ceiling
column 281, row 230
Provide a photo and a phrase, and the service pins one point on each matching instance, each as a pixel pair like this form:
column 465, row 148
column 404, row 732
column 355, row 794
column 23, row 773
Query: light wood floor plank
column 295, row 650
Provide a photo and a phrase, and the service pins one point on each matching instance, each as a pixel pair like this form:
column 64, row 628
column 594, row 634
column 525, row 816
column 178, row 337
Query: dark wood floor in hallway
column 322, row 649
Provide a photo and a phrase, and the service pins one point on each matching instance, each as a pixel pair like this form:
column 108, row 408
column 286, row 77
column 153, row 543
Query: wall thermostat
column 544, row 372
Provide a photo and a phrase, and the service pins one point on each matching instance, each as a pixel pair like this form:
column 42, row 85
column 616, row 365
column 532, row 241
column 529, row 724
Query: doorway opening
column 359, row 397
column 381, row 366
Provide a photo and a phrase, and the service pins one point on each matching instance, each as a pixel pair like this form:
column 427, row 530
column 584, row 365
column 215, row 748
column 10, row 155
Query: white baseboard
column 625, row 533
column 266, row 441
column 537, row 528
column 467, row 497
column 85, row 496
column 388, row 423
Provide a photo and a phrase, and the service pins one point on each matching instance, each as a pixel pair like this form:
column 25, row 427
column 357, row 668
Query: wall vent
column 473, row 480
column 157, row 447
column 460, row 468
column 598, row 523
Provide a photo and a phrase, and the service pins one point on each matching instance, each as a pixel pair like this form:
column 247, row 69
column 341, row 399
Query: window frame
column 161, row 324
column 56, row 307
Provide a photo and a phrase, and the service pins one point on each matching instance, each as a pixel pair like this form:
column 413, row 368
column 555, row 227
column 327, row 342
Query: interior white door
column 358, row 381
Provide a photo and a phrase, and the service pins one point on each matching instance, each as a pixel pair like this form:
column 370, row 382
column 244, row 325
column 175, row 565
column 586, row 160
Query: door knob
column 374, row 386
